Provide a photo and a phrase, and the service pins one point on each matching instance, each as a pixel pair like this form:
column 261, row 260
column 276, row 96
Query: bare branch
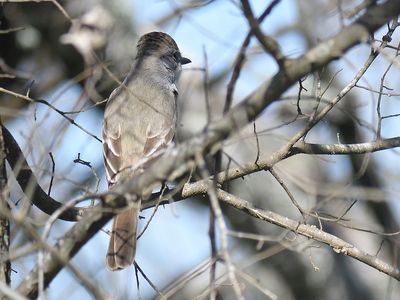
column 27, row 180
column 5, row 265
column 283, row 185
column 342, row 149
column 63, row 114
column 10, row 293
column 9, row 30
column 338, row 245
column 240, row 57
column 212, row 193
column 268, row 43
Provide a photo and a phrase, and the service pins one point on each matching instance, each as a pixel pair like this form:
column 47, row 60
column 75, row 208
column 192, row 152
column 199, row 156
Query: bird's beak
column 185, row 61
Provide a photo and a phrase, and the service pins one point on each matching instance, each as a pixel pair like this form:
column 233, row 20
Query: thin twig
column 378, row 105
column 222, row 228
column 154, row 287
column 29, row 99
column 268, row 43
column 283, row 185
column 205, row 86
column 338, row 245
column 257, row 143
column 53, row 168
column 9, row 30
column 214, row 254
column 301, row 88
column 240, row 58
column 78, row 160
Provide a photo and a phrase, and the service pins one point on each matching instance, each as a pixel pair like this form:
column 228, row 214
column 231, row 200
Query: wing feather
column 111, row 153
column 156, row 142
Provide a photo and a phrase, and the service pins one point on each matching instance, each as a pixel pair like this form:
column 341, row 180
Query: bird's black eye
column 177, row 56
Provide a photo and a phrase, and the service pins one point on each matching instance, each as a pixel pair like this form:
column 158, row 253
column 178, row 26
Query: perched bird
column 139, row 121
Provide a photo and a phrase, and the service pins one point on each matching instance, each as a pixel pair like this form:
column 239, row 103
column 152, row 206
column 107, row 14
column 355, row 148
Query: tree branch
column 338, row 245
column 268, row 43
column 240, row 58
column 60, row 112
column 5, row 266
column 29, row 184
column 64, row 250
column 336, row 149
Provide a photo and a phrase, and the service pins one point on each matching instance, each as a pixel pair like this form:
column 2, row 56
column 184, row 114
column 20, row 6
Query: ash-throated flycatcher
column 139, row 121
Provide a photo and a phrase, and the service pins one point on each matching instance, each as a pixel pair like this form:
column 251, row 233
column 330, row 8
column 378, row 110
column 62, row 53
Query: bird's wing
column 158, row 141
column 111, row 153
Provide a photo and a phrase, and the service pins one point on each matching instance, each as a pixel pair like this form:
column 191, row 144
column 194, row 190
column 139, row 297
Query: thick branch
column 29, row 184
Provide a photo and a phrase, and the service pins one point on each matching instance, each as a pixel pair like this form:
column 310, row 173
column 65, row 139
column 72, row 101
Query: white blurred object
column 89, row 33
